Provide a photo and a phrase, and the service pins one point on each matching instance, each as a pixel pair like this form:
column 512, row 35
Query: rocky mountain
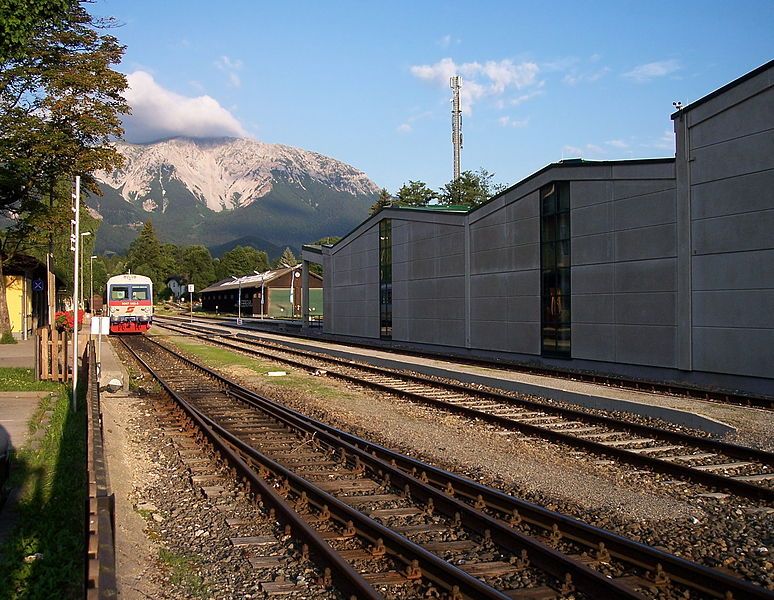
column 216, row 191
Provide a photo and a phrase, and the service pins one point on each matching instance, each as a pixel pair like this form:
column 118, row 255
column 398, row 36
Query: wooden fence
column 52, row 354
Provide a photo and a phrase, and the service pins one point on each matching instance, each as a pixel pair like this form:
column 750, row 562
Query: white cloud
column 508, row 122
column 574, row 77
column 617, row 144
column 650, row 71
column 573, row 151
column 230, row 68
column 665, row 142
column 158, row 113
column 405, row 128
column 448, row 40
column 525, row 97
column 492, row 78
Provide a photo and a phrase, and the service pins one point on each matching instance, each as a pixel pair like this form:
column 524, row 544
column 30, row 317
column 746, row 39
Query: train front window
column 119, row 292
column 139, row 292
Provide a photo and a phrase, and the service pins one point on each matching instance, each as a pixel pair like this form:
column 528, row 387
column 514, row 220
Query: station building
column 659, row 268
column 274, row 294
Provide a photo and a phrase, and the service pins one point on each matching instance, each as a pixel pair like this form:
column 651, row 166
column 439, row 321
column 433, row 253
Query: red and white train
column 130, row 303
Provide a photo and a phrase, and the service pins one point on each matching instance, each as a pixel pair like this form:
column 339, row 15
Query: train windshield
column 140, row 292
column 119, row 292
column 130, row 292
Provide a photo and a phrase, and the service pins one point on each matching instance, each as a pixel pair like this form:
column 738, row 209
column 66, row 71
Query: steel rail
column 722, row 396
column 434, row 568
column 346, row 577
column 698, row 577
column 736, row 486
column 691, row 574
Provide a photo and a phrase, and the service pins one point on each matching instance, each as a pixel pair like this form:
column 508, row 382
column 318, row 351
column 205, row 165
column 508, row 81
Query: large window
column 385, row 279
column 555, row 268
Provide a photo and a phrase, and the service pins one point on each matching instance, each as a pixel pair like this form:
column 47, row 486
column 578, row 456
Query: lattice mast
column 455, row 82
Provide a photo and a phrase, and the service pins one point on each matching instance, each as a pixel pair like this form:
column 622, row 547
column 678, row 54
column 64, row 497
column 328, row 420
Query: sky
column 367, row 82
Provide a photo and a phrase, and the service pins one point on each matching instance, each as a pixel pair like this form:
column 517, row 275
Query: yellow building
column 18, row 295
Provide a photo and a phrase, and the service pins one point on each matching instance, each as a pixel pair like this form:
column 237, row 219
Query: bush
column 7, row 338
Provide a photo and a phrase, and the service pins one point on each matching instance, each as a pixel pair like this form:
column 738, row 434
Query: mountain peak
column 226, row 173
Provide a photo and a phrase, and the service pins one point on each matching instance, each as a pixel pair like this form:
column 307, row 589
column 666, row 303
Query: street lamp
column 262, row 281
column 83, row 235
column 91, row 282
column 239, row 300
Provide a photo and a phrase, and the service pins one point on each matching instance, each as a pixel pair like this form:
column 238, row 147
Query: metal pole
column 75, row 238
column 191, row 298
column 239, row 303
column 455, row 83
column 91, row 283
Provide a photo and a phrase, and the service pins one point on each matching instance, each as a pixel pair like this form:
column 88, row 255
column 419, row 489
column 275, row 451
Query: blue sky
column 367, row 82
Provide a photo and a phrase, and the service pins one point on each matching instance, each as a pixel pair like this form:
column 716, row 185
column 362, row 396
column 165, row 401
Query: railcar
column 130, row 303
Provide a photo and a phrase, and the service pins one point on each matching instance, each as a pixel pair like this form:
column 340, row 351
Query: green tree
column 287, row 259
column 471, row 189
column 196, row 266
column 415, row 193
column 20, row 19
column 146, row 256
column 60, row 103
column 240, row 261
column 383, row 201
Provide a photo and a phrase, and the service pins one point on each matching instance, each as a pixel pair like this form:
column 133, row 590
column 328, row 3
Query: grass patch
column 182, row 572
column 14, row 379
column 50, row 527
column 297, row 379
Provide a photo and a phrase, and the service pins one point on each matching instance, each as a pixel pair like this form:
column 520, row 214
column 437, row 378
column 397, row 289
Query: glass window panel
column 119, row 292
column 563, row 253
column 549, row 228
column 549, row 281
column 549, row 204
column 563, row 191
column 548, row 254
column 563, row 281
column 549, row 338
column 139, row 292
column 564, row 226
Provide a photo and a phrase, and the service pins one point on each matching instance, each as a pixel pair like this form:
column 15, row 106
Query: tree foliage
column 60, row 102
column 383, row 201
column 240, row 261
column 415, row 193
column 19, row 19
column 288, row 259
column 196, row 266
column 148, row 256
column 471, row 189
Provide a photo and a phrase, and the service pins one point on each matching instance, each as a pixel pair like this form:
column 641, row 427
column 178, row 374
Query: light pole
column 91, row 282
column 239, row 299
column 262, row 280
column 83, row 235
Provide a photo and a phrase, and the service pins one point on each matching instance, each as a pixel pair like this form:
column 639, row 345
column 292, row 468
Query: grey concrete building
column 660, row 268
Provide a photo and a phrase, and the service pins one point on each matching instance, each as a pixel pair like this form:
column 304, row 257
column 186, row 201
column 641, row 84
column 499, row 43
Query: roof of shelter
column 252, row 280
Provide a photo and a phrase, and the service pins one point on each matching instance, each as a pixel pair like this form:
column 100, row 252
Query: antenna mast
column 455, row 82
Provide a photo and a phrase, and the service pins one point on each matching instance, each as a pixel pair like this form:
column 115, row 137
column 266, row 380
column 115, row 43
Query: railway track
column 384, row 524
column 722, row 396
column 740, row 470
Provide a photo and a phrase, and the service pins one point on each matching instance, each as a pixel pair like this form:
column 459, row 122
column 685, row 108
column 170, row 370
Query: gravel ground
column 726, row 532
column 173, row 541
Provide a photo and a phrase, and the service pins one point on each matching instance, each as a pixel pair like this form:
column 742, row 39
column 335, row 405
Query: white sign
column 190, row 288
column 100, row 325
